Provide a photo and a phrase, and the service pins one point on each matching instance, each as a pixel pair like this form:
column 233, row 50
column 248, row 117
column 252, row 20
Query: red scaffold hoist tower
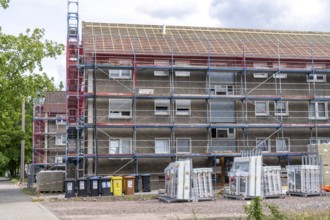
column 75, row 95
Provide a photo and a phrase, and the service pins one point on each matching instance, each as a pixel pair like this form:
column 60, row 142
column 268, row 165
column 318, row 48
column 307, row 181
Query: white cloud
column 280, row 14
column 171, row 12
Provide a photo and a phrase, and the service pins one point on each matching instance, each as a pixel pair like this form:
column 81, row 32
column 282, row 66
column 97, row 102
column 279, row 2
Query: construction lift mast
column 75, row 95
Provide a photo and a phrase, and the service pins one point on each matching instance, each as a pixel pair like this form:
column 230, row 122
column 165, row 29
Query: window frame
column 120, row 116
column 165, row 73
column 60, row 119
column 220, row 88
column 120, row 145
column 161, row 103
column 315, row 79
column 267, row 141
column 182, row 63
column 60, row 139
column 280, row 75
column 277, row 144
column 168, row 146
column 315, row 115
column 185, row 112
column 230, row 135
column 261, row 113
column 260, row 75
column 319, row 139
column 286, row 113
column 181, row 73
column 58, row 159
column 120, row 74
column 177, row 147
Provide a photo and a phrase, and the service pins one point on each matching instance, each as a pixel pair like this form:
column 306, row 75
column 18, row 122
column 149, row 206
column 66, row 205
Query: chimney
column 164, row 29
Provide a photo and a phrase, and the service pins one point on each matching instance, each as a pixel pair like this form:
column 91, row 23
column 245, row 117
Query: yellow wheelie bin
column 117, row 185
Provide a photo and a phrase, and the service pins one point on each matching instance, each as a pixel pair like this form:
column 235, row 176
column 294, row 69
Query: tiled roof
column 185, row 40
column 55, row 102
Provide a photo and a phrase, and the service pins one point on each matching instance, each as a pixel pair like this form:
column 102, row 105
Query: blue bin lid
column 145, row 174
column 94, row 177
column 105, row 178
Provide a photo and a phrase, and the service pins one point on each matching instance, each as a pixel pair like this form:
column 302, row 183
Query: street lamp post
column 22, row 145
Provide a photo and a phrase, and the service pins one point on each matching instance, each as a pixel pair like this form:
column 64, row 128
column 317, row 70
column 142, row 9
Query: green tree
column 4, row 3
column 20, row 57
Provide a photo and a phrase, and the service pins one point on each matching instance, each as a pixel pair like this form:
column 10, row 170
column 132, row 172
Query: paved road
column 14, row 204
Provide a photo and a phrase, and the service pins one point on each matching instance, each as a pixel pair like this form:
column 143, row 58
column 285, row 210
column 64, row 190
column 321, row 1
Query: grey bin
column 136, row 182
column 146, row 182
column 94, row 185
column 105, row 186
column 82, row 187
column 70, row 185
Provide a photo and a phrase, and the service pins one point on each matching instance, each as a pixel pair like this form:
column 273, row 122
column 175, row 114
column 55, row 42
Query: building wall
column 216, row 110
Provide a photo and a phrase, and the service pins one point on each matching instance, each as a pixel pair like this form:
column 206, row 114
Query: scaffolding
column 49, row 132
column 75, row 95
column 204, row 93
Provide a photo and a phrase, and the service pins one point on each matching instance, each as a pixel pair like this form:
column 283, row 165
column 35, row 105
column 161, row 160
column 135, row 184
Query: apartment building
column 49, row 132
column 145, row 95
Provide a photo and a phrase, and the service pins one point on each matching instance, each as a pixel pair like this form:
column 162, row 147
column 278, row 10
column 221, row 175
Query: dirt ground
column 146, row 208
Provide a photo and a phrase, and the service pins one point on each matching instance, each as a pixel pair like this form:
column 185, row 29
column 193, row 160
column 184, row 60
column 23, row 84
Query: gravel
column 101, row 208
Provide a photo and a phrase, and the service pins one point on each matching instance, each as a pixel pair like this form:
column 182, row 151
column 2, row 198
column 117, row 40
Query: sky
column 299, row 15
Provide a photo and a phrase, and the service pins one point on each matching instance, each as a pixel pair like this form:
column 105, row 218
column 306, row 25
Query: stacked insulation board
column 50, row 181
column 323, row 150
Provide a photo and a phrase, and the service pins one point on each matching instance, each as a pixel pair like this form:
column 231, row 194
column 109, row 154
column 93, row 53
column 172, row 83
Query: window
column 263, row 144
column 260, row 75
column 261, row 108
column 224, row 90
column 161, row 73
column 120, row 74
column 318, row 110
column 182, row 73
column 183, row 145
column 316, row 78
column 319, row 140
column 281, row 108
column 58, row 159
column 61, row 140
column 280, row 75
column 60, row 119
column 161, row 62
column 224, row 133
column 182, row 63
column 162, row 146
column 283, row 144
column 162, row 107
column 120, row 146
column 183, row 107
column 120, row 108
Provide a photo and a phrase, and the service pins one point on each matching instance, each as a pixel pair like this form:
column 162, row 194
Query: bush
column 254, row 211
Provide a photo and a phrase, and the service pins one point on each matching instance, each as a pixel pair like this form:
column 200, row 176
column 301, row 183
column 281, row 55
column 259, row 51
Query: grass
column 31, row 191
column 311, row 215
column 254, row 211
column 14, row 180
